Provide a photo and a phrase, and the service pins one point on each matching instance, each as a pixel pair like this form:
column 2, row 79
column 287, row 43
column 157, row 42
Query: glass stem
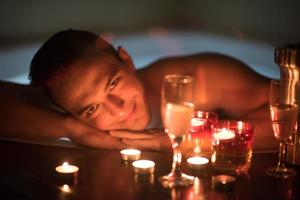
column 176, row 165
column 281, row 161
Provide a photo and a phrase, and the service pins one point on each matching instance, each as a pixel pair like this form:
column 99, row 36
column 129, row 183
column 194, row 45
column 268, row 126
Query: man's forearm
column 21, row 118
column 24, row 114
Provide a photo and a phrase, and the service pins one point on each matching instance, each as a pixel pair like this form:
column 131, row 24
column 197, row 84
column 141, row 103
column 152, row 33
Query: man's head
column 88, row 78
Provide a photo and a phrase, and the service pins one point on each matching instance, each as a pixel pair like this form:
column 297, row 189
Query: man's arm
column 24, row 115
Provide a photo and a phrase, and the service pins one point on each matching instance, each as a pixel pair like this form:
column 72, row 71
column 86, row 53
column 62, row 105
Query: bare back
column 223, row 84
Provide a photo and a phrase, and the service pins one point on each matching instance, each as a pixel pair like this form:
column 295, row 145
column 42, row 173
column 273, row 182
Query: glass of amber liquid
column 199, row 139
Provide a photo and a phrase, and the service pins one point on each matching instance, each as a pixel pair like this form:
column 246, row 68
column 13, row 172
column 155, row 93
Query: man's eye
column 92, row 108
column 114, row 83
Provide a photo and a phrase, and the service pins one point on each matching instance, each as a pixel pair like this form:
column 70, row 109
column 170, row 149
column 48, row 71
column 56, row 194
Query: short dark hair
column 57, row 53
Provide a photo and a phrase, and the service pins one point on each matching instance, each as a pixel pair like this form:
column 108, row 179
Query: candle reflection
column 138, row 178
column 197, row 191
column 66, row 188
column 223, row 182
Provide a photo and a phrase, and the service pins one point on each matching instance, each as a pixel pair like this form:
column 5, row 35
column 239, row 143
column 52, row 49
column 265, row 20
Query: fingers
column 156, row 140
column 130, row 134
column 143, row 144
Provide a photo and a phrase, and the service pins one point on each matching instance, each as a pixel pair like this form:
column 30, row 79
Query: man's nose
column 114, row 105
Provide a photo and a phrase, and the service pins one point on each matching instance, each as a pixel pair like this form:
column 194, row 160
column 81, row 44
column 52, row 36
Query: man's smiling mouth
column 128, row 115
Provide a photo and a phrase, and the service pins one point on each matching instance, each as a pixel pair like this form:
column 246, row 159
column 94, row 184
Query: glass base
column 281, row 172
column 171, row 180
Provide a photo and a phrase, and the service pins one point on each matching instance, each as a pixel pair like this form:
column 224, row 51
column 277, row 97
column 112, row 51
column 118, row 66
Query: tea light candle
column 196, row 125
column 224, row 134
column 130, row 154
column 197, row 162
column 65, row 168
column 143, row 166
column 196, row 122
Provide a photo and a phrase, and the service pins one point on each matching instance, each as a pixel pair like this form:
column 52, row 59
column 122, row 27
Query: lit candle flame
column 66, row 168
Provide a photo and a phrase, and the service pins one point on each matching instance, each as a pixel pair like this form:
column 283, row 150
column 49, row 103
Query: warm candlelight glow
column 240, row 126
column 130, row 154
column 143, row 166
column 224, row 134
column 66, row 188
column 197, row 162
column 196, row 122
column 66, row 168
column 223, row 179
column 197, row 148
column 232, row 146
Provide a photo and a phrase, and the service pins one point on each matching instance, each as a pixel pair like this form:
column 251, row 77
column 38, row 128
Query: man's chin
column 138, row 125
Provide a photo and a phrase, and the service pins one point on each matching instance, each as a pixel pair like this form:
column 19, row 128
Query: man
column 101, row 101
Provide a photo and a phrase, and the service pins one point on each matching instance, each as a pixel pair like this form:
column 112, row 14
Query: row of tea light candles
column 147, row 166
column 140, row 166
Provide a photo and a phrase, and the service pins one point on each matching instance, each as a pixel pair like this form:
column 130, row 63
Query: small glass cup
column 199, row 140
column 232, row 146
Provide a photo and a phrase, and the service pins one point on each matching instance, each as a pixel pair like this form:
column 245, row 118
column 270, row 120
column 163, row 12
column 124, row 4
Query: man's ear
column 126, row 57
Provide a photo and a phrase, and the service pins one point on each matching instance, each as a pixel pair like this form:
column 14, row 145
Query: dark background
column 31, row 22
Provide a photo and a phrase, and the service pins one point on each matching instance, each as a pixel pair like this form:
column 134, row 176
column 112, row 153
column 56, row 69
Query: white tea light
column 196, row 122
column 143, row 166
column 65, row 168
column 224, row 134
column 130, row 154
column 197, row 162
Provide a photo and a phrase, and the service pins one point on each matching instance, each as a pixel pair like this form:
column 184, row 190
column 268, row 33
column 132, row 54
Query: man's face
column 103, row 92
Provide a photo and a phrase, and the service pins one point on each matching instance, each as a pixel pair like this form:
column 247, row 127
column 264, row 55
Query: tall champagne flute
column 284, row 112
column 177, row 109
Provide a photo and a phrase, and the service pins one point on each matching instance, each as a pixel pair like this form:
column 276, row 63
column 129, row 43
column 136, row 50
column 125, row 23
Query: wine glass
column 177, row 109
column 284, row 112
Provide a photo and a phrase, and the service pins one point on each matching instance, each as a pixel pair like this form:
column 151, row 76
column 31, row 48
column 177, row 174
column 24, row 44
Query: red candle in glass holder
column 196, row 128
column 199, row 141
column 232, row 144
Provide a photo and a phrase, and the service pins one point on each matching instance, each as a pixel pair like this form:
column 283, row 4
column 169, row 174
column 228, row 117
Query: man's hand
column 153, row 139
column 85, row 135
